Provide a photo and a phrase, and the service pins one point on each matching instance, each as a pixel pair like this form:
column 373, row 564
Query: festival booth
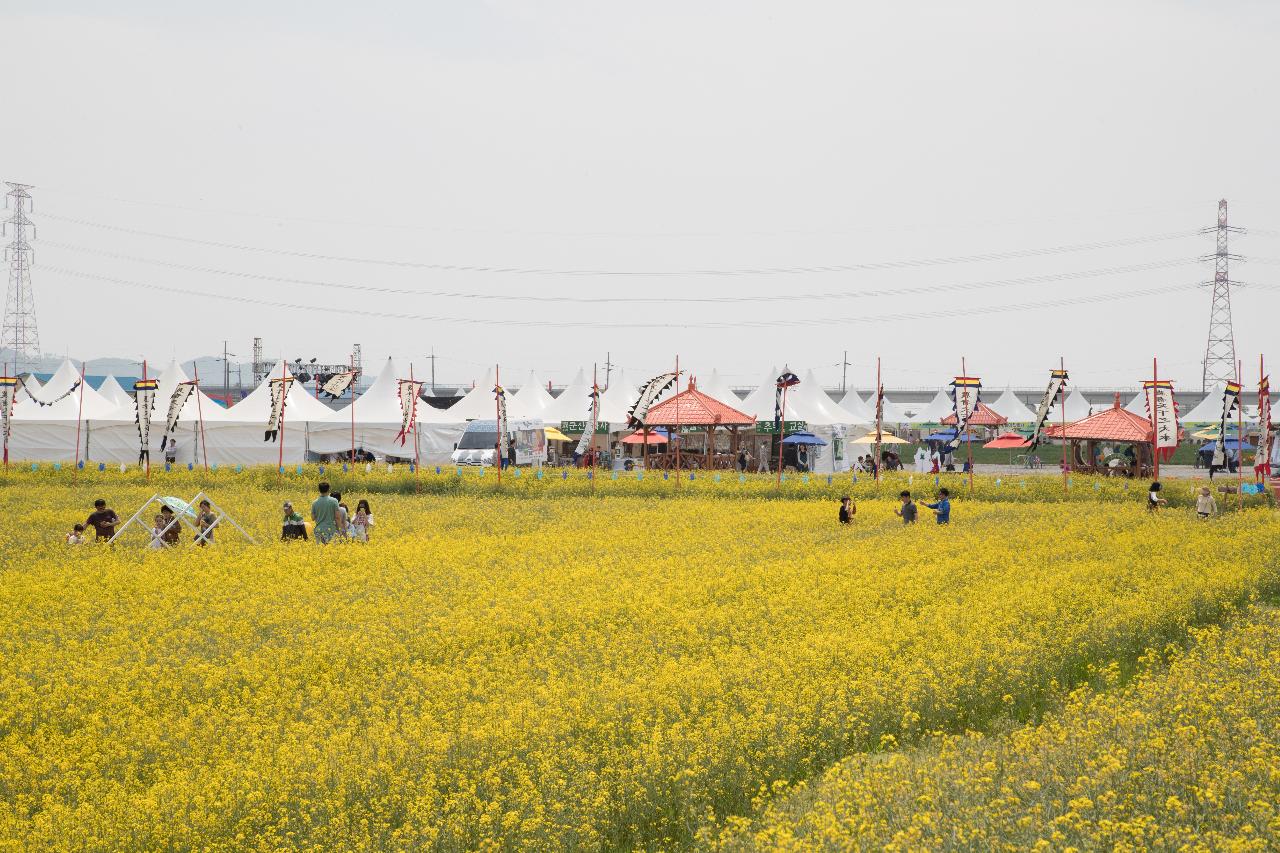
column 983, row 416
column 173, row 430
column 376, row 423
column 531, row 401
column 1012, row 409
column 571, row 414
column 259, row 431
column 859, row 408
column 695, row 417
column 48, row 420
column 1209, row 410
column 1090, row 437
column 808, row 408
column 112, row 390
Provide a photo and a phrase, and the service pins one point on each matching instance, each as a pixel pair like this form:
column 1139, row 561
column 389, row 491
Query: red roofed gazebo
column 1116, row 425
column 983, row 415
column 691, row 407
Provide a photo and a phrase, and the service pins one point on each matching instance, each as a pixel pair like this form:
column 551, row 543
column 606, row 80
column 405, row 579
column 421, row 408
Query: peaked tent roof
column 694, row 408
column 1209, row 410
column 572, row 403
column 1013, row 409
column 256, row 407
column 717, row 387
column 192, row 410
column 820, row 401
column 30, row 382
column 478, row 404
column 1113, row 424
column 380, row 403
column 95, row 407
column 531, row 401
column 936, row 409
column 113, row 391
column 616, row 401
column 761, row 402
column 1077, row 408
column 1138, row 405
column 855, row 405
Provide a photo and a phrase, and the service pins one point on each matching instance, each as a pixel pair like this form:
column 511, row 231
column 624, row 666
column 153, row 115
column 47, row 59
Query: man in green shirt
column 324, row 512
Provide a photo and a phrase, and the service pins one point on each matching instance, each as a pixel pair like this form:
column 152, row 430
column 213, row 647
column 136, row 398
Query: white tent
column 119, row 442
column 902, row 413
column 716, row 386
column 1209, row 410
column 377, row 420
column 113, row 391
column 1138, row 405
column 531, row 401
column 239, row 436
column 1076, row 407
column 809, row 403
column 29, row 385
column 938, row 408
column 615, row 402
column 855, row 405
column 46, row 430
column 572, row 404
column 1013, row 409
column 478, row 404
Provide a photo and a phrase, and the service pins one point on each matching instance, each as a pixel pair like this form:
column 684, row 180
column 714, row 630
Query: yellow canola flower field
column 493, row 672
column 1183, row 758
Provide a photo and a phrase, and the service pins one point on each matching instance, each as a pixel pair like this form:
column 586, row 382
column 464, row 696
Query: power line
column 544, row 271
column 545, row 298
column 487, row 321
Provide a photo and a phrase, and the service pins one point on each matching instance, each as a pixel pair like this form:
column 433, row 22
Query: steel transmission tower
column 1220, row 352
column 19, row 333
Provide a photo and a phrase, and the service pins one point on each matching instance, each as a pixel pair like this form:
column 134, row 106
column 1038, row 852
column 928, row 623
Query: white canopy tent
column 48, row 432
column 852, row 403
column 809, row 403
column 572, row 403
column 1138, row 405
column 1013, row 409
column 119, row 442
column 113, row 391
column 29, row 384
column 1076, row 407
column 478, row 404
column 377, row 420
column 936, row 409
column 1209, row 410
column 532, row 400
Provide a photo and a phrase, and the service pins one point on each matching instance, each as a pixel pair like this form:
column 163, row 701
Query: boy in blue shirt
column 942, row 507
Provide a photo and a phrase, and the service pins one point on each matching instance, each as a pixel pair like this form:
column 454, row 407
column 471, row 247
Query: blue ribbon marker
column 297, row 470
column 615, row 476
column 639, row 475
column 664, row 473
column 517, row 472
column 34, row 466
column 564, row 475
column 437, row 469
column 997, row 481
column 590, row 474
column 190, row 466
column 167, row 469
column 742, row 478
column 690, row 475
column 716, row 478
column 80, row 465
column 344, row 467
column 102, row 467
column 784, row 478
column 828, row 479
column 320, row 469
column 539, row 473
column 57, row 466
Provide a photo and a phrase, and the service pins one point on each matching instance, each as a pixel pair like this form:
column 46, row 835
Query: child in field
column 908, row 511
column 1154, row 501
column 942, row 507
column 848, row 509
column 76, row 536
column 362, row 524
column 1205, row 504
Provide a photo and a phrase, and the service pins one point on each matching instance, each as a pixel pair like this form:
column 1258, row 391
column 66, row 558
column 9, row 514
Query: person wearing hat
column 293, row 525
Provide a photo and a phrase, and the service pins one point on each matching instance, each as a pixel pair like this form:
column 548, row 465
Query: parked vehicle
column 479, row 442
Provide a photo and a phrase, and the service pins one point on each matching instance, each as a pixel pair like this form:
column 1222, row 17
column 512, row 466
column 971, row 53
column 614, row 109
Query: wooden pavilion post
column 644, row 448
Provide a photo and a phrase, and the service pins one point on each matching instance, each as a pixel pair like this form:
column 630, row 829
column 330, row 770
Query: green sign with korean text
column 769, row 428
column 579, row 427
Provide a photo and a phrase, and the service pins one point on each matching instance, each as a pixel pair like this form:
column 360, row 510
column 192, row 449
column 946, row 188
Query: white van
column 480, row 439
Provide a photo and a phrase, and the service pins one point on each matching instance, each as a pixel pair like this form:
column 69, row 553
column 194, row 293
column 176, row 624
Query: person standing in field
column 942, row 507
column 206, row 521
column 76, row 536
column 342, row 518
column 1154, row 501
column 908, row 511
column 103, row 520
column 166, row 533
column 1205, row 504
column 324, row 514
column 848, row 509
column 362, row 523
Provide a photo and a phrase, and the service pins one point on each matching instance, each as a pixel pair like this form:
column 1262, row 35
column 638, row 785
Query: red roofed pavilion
column 983, row 415
column 1115, row 425
column 691, row 407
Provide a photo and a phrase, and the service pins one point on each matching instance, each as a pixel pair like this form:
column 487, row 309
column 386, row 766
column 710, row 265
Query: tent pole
column 1062, row 416
column 147, row 457
column 782, row 432
column 353, row 409
column 677, row 407
column 79, row 416
column 964, row 371
column 1155, row 395
column 204, row 445
column 284, row 402
column 417, row 458
column 497, row 419
column 879, row 419
column 595, row 419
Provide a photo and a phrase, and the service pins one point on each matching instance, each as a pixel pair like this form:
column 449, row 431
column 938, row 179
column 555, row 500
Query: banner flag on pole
column 8, row 393
column 64, row 395
column 786, row 380
column 966, row 393
column 1057, row 387
column 1230, row 399
column 144, row 396
column 592, row 414
column 176, row 401
column 500, row 397
column 1162, row 411
column 279, row 393
column 1262, row 455
column 649, row 394
column 407, row 389
column 337, row 384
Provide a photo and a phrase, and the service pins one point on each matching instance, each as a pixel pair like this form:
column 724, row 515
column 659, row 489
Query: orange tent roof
column 983, row 415
column 693, row 408
column 1114, row 424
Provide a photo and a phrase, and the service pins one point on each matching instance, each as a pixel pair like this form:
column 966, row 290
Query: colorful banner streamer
column 1262, row 454
column 649, row 394
column 8, row 395
column 966, row 393
column 1057, row 388
column 407, row 389
column 786, row 380
column 144, row 398
column 1162, row 411
column 337, row 384
column 176, row 401
column 279, row 394
column 593, row 415
column 1230, row 400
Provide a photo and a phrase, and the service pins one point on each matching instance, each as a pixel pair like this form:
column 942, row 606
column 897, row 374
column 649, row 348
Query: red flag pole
column 782, row 431
column 13, row 401
column 875, row 463
column 79, row 416
column 1155, row 396
column 677, row 407
column 1239, row 436
column 1261, row 451
column 148, row 454
column 1062, row 416
column 964, row 371
column 595, row 417
column 353, row 409
column 284, row 402
column 417, row 456
column 204, row 446
column 497, row 418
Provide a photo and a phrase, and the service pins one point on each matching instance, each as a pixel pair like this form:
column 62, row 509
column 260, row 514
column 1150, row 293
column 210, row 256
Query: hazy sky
column 486, row 161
